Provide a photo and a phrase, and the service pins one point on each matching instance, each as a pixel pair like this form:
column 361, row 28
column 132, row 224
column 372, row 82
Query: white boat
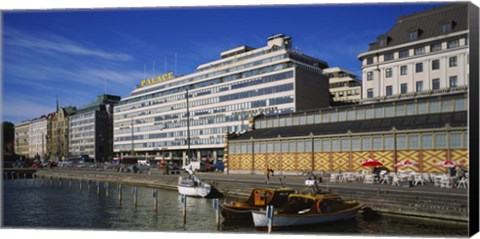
column 193, row 187
column 304, row 209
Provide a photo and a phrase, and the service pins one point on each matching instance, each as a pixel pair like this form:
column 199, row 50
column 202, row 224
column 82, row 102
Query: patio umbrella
column 371, row 163
column 448, row 164
column 406, row 163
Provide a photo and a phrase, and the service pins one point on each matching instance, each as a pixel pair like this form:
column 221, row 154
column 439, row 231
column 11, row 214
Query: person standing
column 267, row 175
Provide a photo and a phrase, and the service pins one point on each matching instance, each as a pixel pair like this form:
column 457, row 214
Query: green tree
column 8, row 136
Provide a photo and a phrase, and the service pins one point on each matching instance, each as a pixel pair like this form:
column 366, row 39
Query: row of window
column 452, row 83
column 435, row 47
column 216, row 81
column 412, row 141
column 160, row 144
column 399, row 109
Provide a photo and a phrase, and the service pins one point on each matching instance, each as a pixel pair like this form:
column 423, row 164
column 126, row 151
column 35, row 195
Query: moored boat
column 258, row 199
column 303, row 209
column 193, row 187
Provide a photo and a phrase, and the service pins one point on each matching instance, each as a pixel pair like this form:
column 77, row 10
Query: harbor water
column 64, row 204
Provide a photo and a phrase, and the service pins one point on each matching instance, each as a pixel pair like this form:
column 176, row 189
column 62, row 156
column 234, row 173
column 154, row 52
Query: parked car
column 219, row 166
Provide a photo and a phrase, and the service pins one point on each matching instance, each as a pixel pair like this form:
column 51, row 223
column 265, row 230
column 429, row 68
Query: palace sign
column 157, row 79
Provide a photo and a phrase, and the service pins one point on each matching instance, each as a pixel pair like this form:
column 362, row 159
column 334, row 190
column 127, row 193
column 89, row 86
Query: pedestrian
column 267, row 175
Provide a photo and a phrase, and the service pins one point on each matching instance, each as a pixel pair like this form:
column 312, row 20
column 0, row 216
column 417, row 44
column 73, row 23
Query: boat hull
column 200, row 191
column 286, row 220
column 229, row 212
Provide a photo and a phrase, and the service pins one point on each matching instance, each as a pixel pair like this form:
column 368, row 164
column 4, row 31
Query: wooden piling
column 135, row 196
column 217, row 212
column 155, row 201
column 119, row 189
column 184, row 201
column 106, row 190
column 98, row 189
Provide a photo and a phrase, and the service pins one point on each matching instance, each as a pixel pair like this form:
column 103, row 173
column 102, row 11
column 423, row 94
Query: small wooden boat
column 303, row 209
column 258, row 199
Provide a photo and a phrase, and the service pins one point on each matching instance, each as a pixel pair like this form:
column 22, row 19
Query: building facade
column 59, row 133
column 90, row 129
column 345, row 87
column 22, row 138
column 221, row 96
column 39, row 137
column 425, row 51
column 427, row 129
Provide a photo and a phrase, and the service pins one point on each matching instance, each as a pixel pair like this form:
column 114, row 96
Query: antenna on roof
column 175, row 69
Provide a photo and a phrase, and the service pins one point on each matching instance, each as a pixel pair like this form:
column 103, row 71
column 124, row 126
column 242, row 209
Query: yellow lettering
column 157, row 79
column 170, row 75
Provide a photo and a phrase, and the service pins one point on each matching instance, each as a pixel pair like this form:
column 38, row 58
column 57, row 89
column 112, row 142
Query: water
column 41, row 205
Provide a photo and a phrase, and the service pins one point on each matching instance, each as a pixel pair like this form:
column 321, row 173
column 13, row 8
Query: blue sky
column 80, row 54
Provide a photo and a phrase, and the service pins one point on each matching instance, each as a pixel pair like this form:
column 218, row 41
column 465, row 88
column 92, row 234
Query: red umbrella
column 448, row 164
column 406, row 163
column 371, row 163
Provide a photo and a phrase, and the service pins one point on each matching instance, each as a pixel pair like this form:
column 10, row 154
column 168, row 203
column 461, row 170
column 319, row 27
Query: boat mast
column 188, row 131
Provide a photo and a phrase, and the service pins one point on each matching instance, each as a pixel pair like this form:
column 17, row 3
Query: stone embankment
column 424, row 201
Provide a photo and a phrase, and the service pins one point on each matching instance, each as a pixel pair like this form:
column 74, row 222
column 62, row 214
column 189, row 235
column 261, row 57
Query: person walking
column 267, row 175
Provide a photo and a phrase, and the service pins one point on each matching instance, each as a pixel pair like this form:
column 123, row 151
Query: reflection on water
column 60, row 207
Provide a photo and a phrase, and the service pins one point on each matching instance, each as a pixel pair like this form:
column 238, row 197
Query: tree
column 8, row 136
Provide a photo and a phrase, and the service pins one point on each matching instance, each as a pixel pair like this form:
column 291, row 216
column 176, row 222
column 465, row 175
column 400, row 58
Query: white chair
column 395, row 180
column 386, row 178
column 445, row 182
column 368, row 179
column 333, row 177
column 462, row 183
column 418, row 178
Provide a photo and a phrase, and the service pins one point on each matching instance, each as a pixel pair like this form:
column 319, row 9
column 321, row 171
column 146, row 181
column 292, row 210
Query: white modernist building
column 423, row 52
column 345, row 87
column 222, row 95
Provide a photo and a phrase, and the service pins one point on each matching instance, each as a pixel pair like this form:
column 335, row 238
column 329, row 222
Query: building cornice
column 363, row 55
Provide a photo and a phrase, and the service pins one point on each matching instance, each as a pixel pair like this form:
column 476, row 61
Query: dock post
column 51, row 181
column 88, row 186
column 81, row 185
column 59, row 181
column 155, row 201
column 217, row 212
column 106, row 189
column 18, row 175
column 70, row 184
column 184, row 202
column 98, row 188
column 270, row 217
column 25, row 177
column 33, row 179
column 119, row 189
column 135, row 196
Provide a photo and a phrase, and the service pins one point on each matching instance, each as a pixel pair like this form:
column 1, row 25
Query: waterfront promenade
column 425, row 201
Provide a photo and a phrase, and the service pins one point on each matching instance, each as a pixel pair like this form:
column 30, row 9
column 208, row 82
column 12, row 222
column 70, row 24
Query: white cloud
column 56, row 43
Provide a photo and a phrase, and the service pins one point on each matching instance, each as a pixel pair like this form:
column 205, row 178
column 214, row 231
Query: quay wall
column 444, row 205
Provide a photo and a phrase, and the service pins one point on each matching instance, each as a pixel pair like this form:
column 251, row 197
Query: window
column 369, row 60
column 388, row 57
column 370, row 93
column 383, row 42
column 413, row 35
column 447, row 27
column 403, row 88
column 427, row 141
column 403, row 70
column 370, row 75
column 326, row 145
column 455, row 140
column 434, row 107
column 435, row 64
column 356, row 144
column 440, row 141
column 401, row 142
column 389, row 144
column 388, row 72
column 345, row 144
column 403, row 54
column 422, row 108
column 335, row 145
column 452, row 61
column 419, row 51
column 419, row 86
column 435, row 84
column 436, row 47
column 413, row 142
column 419, row 67
column 317, row 146
column 388, row 90
column 366, row 143
column 453, row 43
column 377, row 143
column 453, row 81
